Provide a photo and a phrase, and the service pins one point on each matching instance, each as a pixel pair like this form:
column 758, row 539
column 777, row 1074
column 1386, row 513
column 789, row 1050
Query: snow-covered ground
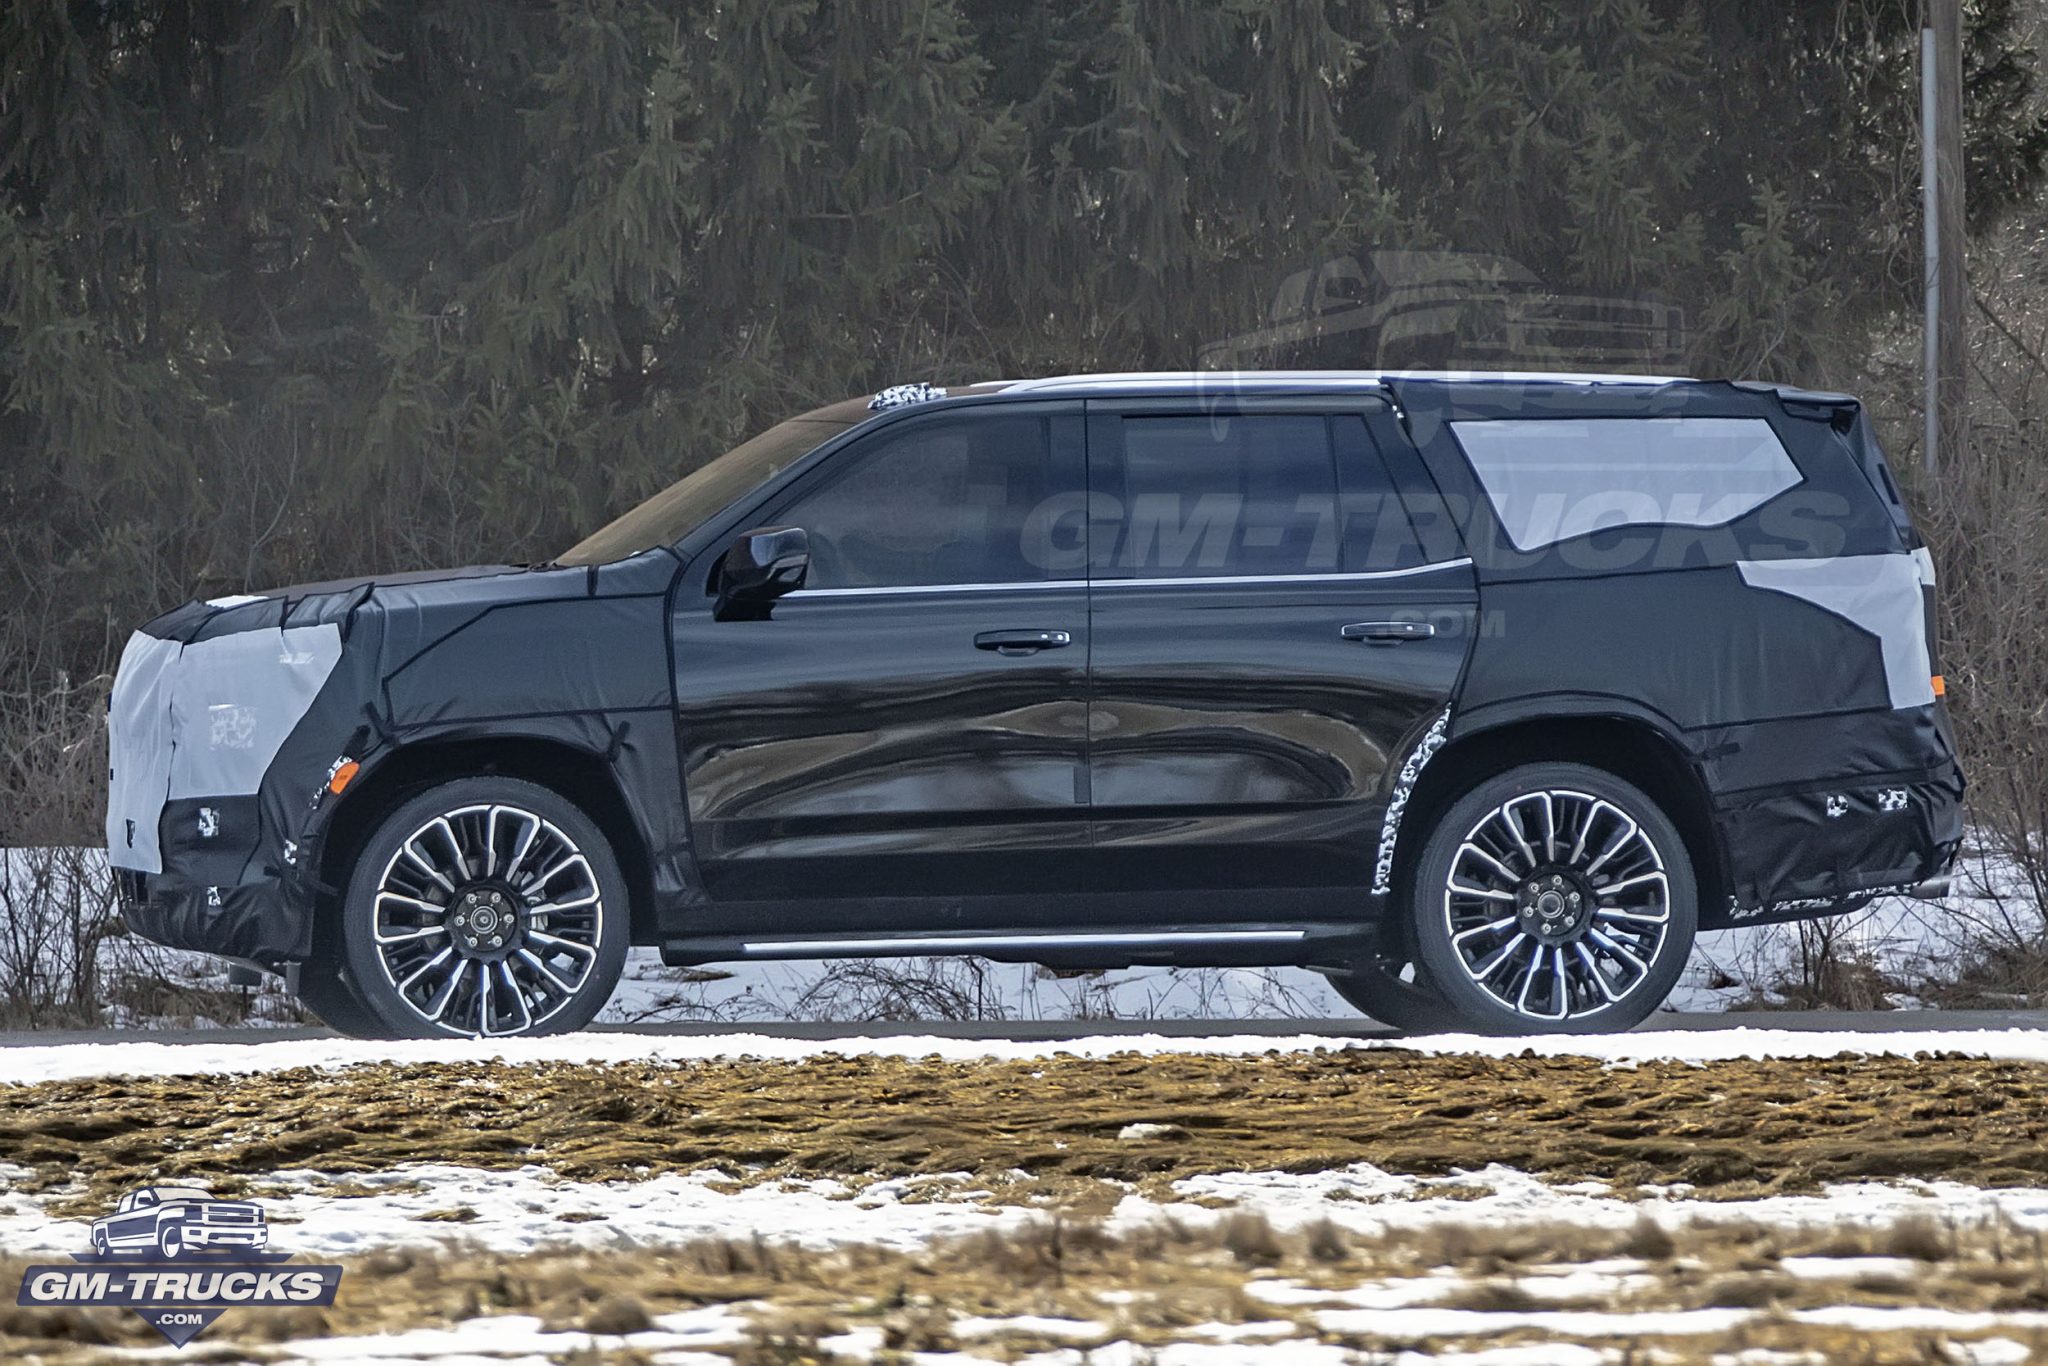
column 141, row 1058
column 531, row 1209
column 1538, row 1312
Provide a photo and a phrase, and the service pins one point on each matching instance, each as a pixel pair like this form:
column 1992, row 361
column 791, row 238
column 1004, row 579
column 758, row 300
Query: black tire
column 473, row 944
column 325, row 990
column 1606, row 930
column 1410, row 1003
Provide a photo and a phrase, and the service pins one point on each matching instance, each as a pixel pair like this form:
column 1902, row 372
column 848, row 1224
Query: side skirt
column 1299, row 943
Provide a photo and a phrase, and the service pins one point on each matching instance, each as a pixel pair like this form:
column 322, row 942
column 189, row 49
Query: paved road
column 1035, row 1031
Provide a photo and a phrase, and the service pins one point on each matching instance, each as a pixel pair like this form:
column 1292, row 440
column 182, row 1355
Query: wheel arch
column 576, row 774
column 1636, row 749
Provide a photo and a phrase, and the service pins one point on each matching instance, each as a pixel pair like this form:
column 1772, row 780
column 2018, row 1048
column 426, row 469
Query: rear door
column 1269, row 633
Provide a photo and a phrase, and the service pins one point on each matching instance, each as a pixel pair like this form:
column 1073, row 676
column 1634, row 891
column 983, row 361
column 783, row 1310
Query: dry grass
column 1147, row 1287
column 1731, row 1129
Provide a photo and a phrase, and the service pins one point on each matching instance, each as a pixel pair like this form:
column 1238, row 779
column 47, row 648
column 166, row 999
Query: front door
column 912, row 723
column 1268, row 631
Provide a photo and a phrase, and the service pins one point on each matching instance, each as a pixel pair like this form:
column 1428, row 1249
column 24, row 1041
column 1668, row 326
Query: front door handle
column 1388, row 632
column 1022, row 642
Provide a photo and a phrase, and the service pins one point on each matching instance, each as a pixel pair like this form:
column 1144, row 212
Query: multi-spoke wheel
column 1554, row 898
column 488, row 906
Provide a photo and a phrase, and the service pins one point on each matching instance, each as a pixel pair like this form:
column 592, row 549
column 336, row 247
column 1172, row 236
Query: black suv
column 1480, row 694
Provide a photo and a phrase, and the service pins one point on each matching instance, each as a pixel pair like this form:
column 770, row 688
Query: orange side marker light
column 1940, row 686
column 345, row 775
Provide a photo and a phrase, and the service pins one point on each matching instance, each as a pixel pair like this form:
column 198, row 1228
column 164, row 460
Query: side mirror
column 759, row 567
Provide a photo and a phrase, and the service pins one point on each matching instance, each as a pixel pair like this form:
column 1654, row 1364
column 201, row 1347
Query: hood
column 335, row 600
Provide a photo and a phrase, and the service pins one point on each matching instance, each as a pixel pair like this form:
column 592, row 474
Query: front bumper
column 220, row 890
column 246, row 923
column 225, row 1235
column 222, row 720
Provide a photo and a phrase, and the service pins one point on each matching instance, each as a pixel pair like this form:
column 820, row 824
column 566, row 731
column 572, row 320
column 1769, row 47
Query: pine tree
column 295, row 288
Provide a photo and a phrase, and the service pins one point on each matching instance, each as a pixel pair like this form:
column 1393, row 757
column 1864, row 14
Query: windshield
column 684, row 505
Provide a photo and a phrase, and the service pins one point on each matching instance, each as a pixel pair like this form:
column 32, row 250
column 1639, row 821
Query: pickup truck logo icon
column 171, row 1221
column 179, row 1258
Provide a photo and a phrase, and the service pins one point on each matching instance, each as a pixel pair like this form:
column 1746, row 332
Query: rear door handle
column 1388, row 632
column 1022, row 642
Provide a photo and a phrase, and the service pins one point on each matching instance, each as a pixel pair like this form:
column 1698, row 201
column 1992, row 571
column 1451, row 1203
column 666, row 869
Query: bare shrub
column 57, row 905
column 56, row 909
column 1832, row 970
column 1985, row 517
column 903, row 989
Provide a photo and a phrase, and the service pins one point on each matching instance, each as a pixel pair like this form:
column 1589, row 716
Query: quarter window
column 941, row 501
column 1551, row 479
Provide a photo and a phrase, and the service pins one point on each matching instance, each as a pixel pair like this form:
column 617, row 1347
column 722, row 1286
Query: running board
column 1206, row 946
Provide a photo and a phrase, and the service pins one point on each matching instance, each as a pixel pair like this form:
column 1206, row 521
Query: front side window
column 951, row 500
column 1223, row 496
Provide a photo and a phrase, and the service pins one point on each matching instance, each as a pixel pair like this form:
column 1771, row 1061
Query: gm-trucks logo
column 179, row 1258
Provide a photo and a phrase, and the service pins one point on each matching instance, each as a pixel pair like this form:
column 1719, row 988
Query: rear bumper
column 1827, row 847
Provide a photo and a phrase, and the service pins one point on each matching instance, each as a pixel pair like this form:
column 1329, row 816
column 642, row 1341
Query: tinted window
column 1225, row 495
column 680, row 508
column 1378, row 534
column 946, row 500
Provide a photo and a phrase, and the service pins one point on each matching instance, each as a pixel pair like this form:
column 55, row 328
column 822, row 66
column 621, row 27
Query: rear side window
column 1551, row 479
column 1378, row 533
column 1227, row 495
column 942, row 501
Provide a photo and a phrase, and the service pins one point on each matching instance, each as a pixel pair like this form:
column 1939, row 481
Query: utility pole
column 1941, row 176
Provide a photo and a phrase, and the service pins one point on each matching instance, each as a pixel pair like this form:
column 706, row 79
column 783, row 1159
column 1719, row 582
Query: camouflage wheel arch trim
column 1397, row 804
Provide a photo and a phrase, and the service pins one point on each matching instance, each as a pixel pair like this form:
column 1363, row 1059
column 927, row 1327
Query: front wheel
column 1395, row 994
column 1554, row 899
column 323, row 991
column 485, row 907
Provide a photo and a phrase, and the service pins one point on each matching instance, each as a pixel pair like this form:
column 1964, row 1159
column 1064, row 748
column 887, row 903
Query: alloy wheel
column 487, row 920
column 1557, row 904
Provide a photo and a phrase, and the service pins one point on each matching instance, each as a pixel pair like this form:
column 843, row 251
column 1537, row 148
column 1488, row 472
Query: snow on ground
column 137, row 1057
column 674, row 1339
column 1599, row 1302
column 530, row 1209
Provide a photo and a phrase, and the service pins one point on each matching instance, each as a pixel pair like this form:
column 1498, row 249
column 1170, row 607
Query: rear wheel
column 1553, row 899
column 485, row 907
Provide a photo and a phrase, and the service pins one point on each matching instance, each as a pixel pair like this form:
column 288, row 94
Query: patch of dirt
column 1731, row 1129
